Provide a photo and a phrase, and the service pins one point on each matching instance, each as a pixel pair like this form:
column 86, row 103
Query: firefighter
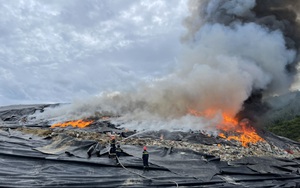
column 113, row 144
column 145, row 158
column 112, row 151
column 118, row 153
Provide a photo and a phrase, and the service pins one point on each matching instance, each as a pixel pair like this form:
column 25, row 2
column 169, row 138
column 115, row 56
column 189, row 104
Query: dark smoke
column 274, row 15
column 281, row 15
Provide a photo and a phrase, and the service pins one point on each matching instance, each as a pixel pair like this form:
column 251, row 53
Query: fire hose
column 145, row 176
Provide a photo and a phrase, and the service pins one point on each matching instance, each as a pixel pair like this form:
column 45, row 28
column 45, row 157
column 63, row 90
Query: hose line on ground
column 145, row 176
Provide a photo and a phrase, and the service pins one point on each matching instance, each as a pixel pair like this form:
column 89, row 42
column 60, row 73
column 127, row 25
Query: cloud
column 53, row 51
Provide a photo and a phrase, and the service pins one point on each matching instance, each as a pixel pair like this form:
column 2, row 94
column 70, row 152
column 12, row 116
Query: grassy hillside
column 287, row 128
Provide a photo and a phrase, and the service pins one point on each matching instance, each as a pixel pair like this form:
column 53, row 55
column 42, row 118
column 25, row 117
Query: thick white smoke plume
column 226, row 59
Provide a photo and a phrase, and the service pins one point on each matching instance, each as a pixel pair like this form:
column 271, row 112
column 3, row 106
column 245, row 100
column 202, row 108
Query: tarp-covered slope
column 33, row 161
column 62, row 161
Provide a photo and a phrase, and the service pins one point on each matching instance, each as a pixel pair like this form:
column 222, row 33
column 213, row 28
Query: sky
column 59, row 50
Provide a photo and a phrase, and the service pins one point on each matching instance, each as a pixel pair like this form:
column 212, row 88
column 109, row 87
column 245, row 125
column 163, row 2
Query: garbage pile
column 225, row 150
column 35, row 155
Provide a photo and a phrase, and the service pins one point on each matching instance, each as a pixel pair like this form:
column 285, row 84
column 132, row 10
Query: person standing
column 112, row 151
column 118, row 153
column 145, row 157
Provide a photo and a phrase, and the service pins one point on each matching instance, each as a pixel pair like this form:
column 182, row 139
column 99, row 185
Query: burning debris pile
column 224, row 149
column 68, row 142
column 235, row 141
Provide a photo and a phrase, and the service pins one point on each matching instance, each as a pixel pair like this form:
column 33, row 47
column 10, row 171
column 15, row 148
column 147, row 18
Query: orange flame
column 239, row 131
column 76, row 123
column 242, row 132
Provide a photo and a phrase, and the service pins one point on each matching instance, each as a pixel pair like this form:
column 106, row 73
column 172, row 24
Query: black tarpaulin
column 31, row 161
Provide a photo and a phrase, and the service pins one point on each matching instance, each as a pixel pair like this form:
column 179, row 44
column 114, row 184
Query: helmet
column 145, row 148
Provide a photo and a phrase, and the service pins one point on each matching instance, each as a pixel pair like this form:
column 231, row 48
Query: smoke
column 236, row 50
column 273, row 16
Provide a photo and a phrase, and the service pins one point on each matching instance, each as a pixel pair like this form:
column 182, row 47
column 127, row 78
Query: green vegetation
column 287, row 128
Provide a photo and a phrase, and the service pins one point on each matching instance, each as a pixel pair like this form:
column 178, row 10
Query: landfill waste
column 35, row 155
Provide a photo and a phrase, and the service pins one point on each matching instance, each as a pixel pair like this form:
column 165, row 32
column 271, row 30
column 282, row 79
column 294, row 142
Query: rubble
column 223, row 151
column 200, row 141
column 196, row 155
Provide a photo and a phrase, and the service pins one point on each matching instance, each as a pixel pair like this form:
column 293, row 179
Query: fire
column 242, row 132
column 76, row 123
column 231, row 129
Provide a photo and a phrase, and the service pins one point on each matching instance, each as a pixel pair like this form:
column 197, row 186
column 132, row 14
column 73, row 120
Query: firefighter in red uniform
column 145, row 158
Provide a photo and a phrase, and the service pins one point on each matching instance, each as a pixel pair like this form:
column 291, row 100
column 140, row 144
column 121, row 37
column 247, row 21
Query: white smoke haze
column 218, row 71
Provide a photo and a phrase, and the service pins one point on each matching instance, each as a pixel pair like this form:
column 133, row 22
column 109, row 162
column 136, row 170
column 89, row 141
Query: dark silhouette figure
column 145, row 159
column 118, row 153
column 112, row 151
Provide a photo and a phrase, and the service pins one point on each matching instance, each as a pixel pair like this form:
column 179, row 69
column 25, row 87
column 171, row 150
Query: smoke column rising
column 234, row 48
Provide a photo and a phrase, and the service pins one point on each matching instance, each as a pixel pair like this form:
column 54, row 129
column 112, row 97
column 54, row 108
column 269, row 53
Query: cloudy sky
column 60, row 50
